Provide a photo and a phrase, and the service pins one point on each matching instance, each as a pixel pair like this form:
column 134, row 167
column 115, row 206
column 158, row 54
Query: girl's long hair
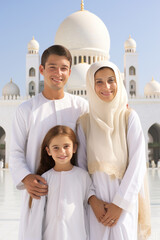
column 47, row 162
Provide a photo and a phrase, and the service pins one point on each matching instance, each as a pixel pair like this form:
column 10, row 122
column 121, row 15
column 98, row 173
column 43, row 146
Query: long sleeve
column 81, row 153
column 131, row 183
column 33, row 223
column 17, row 161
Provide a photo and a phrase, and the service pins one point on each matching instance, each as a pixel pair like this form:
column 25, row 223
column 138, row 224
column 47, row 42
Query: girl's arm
column 33, row 223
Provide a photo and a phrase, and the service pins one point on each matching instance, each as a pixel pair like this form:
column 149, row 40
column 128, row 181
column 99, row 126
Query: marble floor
column 10, row 204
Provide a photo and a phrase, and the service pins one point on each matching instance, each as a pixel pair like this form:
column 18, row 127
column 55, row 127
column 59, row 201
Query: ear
column 48, row 151
column 41, row 69
column 75, row 148
column 69, row 71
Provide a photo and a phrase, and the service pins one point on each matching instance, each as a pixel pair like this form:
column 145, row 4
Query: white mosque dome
column 83, row 30
column 130, row 43
column 33, row 46
column 77, row 78
column 11, row 89
column 152, row 88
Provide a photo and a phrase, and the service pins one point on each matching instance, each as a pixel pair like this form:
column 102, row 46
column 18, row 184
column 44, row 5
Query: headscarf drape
column 107, row 121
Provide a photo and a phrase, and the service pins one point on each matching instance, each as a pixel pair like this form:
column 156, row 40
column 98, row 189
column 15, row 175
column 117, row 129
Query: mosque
column 86, row 46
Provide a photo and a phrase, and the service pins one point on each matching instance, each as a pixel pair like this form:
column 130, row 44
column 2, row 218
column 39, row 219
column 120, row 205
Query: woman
column 115, row 158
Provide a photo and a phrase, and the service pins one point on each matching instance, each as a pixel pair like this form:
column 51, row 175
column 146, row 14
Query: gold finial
column 33, row 38
column 11, row 80
column 129, row 36
column 82, row 5
column 152, row 79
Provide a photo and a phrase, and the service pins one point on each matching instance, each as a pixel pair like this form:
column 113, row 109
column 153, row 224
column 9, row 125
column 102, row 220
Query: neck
column 53, row 95
column 60, row 168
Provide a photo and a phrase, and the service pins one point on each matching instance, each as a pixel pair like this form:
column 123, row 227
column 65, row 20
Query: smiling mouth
column 62, row 157
column 106, row 93
column 56, row 80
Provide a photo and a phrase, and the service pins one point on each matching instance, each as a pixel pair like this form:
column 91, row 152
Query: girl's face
column 61, row 149
column 105, row 84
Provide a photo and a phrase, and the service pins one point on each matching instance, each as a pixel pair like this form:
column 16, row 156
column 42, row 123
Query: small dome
column 33, row 46
column 152, row 88
column 77, row 78
column 130, row 43
column 83, row 30
column 11, row 89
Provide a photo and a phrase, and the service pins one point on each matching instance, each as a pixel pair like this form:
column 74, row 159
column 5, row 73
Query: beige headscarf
column 107, row 121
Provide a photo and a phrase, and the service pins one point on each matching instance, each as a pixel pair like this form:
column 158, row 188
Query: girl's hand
column 97, row 207
column 113, row 213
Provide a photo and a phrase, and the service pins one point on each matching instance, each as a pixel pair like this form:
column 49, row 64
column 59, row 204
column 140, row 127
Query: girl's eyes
column 55, row 148
column 66, row 146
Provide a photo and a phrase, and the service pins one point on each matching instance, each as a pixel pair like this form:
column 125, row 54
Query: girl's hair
column 47, row 162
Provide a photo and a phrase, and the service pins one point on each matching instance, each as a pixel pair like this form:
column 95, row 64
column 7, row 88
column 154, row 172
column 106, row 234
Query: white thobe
column 32, row 121
column 61, row 215
column 123, row 193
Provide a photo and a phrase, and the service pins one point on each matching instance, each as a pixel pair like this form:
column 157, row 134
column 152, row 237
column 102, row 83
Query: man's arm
column 22, row 176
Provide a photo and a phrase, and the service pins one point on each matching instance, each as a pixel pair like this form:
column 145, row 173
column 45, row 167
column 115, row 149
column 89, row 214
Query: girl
column 116, row 158
column 62, row 213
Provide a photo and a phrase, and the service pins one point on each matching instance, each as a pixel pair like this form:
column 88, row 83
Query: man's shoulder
column 77, row 99
column 28, row 104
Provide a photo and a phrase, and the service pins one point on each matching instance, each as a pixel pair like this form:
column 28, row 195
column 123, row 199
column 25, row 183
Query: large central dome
column 83, row 30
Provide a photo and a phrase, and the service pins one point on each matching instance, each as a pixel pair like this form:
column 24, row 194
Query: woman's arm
column 131, row 183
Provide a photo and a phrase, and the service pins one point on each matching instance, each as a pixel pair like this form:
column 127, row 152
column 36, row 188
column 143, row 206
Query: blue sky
column 20, row 20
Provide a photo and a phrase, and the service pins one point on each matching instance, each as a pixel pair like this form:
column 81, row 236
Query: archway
column 154, row 143
column 2, row 147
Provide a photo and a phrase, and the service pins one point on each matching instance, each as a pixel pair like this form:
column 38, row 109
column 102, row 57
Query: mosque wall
column 7, row 110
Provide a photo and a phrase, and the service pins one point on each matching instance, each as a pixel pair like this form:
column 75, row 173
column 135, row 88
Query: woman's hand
column 98, row 207
column 113, row 213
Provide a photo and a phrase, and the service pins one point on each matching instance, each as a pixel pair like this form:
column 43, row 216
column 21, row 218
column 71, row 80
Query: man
column 35, row 117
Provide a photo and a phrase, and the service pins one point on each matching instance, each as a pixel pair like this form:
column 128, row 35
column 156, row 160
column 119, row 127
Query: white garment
column 62, row 214
column 32, row 121
column 123, row 193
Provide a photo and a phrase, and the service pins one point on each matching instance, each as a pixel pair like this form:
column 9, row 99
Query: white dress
column 61, row 215
column 32, row 121
column 123, row 193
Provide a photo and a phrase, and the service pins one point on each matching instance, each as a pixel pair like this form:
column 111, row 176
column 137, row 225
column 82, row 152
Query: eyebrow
column 53, row 64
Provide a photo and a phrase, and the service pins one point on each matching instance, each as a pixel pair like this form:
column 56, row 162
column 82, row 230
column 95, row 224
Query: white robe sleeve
column 131, row 183
column 17, row 161
column 33, row 223
column 81, row 152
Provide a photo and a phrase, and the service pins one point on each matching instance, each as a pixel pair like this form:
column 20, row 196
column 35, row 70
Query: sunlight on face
column 105, row 84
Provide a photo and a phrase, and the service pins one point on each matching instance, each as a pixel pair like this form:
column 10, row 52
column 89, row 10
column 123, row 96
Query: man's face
column 56, row 72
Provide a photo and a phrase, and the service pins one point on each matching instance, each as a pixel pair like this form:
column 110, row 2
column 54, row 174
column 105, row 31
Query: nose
column 58, row 71
column 62, row 150
column 107, row 85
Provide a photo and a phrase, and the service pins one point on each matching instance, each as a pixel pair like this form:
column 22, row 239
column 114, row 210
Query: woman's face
column 105, row 84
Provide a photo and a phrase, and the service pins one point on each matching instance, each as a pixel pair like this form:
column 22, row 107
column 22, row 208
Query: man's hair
column 57, row 50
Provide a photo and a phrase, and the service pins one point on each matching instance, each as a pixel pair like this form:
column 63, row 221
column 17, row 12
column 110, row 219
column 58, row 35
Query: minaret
column 32, row 68
column 131, row 68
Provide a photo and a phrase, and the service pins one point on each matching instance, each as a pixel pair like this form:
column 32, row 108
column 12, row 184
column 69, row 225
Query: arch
column 132, row 88
column 154, row 143
column 32, row 72
column 2, row 147
column 132, row 71
column 32, row 89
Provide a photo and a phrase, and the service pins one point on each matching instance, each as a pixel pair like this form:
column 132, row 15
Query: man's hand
column 113, row 213
column 97, row 207
column 35, row 185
